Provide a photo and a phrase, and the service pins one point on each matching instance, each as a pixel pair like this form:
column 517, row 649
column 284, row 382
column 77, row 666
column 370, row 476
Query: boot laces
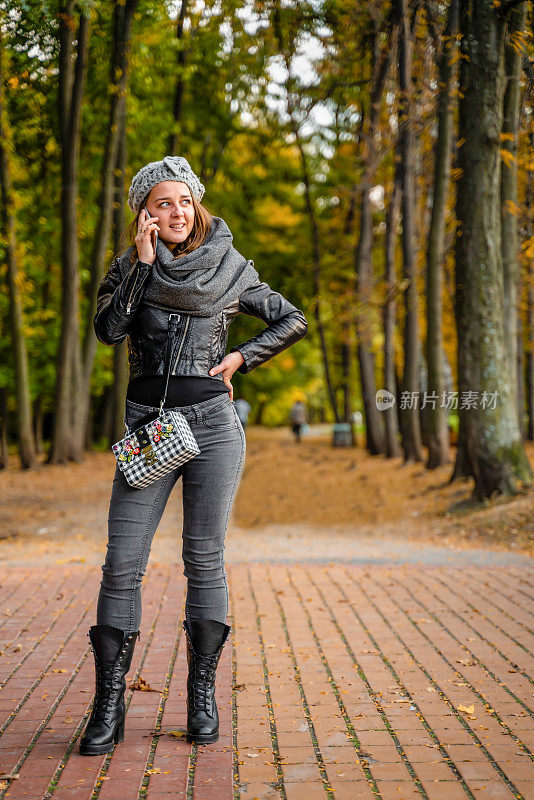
column 203, row 679
column 105, row 690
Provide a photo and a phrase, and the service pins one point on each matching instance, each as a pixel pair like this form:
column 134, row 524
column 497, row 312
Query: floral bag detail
column 156, row 448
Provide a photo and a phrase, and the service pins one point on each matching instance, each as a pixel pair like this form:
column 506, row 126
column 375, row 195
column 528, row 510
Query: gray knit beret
column 172, row 168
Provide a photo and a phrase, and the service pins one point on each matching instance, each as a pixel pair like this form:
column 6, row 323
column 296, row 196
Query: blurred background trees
column 376, row 161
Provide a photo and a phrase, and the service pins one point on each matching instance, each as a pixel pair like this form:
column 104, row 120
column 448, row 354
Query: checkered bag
column 158, row 446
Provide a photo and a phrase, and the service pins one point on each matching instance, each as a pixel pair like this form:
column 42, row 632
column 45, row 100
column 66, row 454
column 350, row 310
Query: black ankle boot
column 113, row 651
column 205, row 640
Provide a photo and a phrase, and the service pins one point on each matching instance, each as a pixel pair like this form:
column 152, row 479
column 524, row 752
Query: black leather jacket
column 201, row 342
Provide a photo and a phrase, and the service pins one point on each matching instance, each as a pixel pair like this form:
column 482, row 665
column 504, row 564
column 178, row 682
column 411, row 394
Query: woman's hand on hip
column 228, row 366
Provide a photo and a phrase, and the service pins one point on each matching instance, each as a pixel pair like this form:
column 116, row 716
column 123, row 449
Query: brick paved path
column 339, row 681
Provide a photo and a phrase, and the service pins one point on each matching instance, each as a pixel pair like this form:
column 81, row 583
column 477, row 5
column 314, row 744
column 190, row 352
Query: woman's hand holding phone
column 147, row 236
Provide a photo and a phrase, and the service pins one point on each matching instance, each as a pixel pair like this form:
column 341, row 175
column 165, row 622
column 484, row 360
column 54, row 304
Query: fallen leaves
column 140, row 685
column 466, row 709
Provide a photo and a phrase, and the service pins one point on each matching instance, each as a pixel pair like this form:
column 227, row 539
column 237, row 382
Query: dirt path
column 308, row 500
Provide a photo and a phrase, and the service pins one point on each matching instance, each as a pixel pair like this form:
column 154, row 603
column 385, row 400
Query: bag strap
column 171, row 333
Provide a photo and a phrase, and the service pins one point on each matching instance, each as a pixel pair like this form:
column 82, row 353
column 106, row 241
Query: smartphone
column 155, row 240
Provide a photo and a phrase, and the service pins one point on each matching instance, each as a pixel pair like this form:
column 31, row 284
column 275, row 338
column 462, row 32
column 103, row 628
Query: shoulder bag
column 158, row 446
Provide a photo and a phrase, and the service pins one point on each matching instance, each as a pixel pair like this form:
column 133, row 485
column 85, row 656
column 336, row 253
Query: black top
column 183, row 390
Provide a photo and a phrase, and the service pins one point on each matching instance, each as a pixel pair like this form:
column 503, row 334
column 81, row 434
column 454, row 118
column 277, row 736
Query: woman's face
column 171, row 201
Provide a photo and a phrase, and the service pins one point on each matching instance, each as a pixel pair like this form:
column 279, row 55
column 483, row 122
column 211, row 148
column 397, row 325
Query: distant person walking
column 243, row 410
column 298, row 417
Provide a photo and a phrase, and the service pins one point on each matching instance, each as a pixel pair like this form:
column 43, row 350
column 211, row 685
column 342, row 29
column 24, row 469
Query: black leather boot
column 205, row 640
column 113, row 651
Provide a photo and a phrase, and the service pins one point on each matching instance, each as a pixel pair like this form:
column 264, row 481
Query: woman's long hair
column 199, row 231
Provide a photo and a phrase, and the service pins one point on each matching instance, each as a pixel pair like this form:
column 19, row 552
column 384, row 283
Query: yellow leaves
column 511, row 208
column 518, row 41
column 259, row 170
column 454, row 58
column 279, row 215
column 286, row 362
column 508, row 157
column 140, row 685
column 528, row 247
column 466, row 709
column 506, row 136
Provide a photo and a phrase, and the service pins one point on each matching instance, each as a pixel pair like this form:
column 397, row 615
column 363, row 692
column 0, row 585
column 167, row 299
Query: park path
column 341, row 680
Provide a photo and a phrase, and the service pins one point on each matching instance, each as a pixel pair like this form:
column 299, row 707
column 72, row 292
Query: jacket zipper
column 188, row 320
column 130, row 299
column 221, row 334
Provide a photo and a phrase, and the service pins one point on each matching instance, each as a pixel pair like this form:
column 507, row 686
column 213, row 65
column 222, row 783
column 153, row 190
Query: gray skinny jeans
column 210, row 481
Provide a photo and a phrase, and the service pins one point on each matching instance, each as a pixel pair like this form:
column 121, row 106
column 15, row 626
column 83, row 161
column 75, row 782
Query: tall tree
column 380, row 66
column 494, row 450
column 411, row 428
column 65, row 444
column 179, row 89
column 120, row 353
column 529, row 277
column 119, row 72
column 286, row 47
column 25, row 437
column 513, row 58
column 391, row 414
column 436, row 418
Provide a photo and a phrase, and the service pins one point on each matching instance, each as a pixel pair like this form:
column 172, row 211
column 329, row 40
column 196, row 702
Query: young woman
column 181, row 260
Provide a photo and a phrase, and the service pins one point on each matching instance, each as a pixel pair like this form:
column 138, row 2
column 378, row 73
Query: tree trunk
column 345, row 369
column 174, row 136
column 65, row 445
column 4, row 452
column 436, row 419
column 310, row 209
column 512, row 66
column 120, row 353
column 520, row 373
column 25, row 438
column 529, row 202
column 411, row 428
column 391, row 414
column 495, row 454
column 38, row 421
column 122, row 25
column 363, row 266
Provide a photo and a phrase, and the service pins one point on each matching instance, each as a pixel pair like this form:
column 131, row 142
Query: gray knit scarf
column 200, row 283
